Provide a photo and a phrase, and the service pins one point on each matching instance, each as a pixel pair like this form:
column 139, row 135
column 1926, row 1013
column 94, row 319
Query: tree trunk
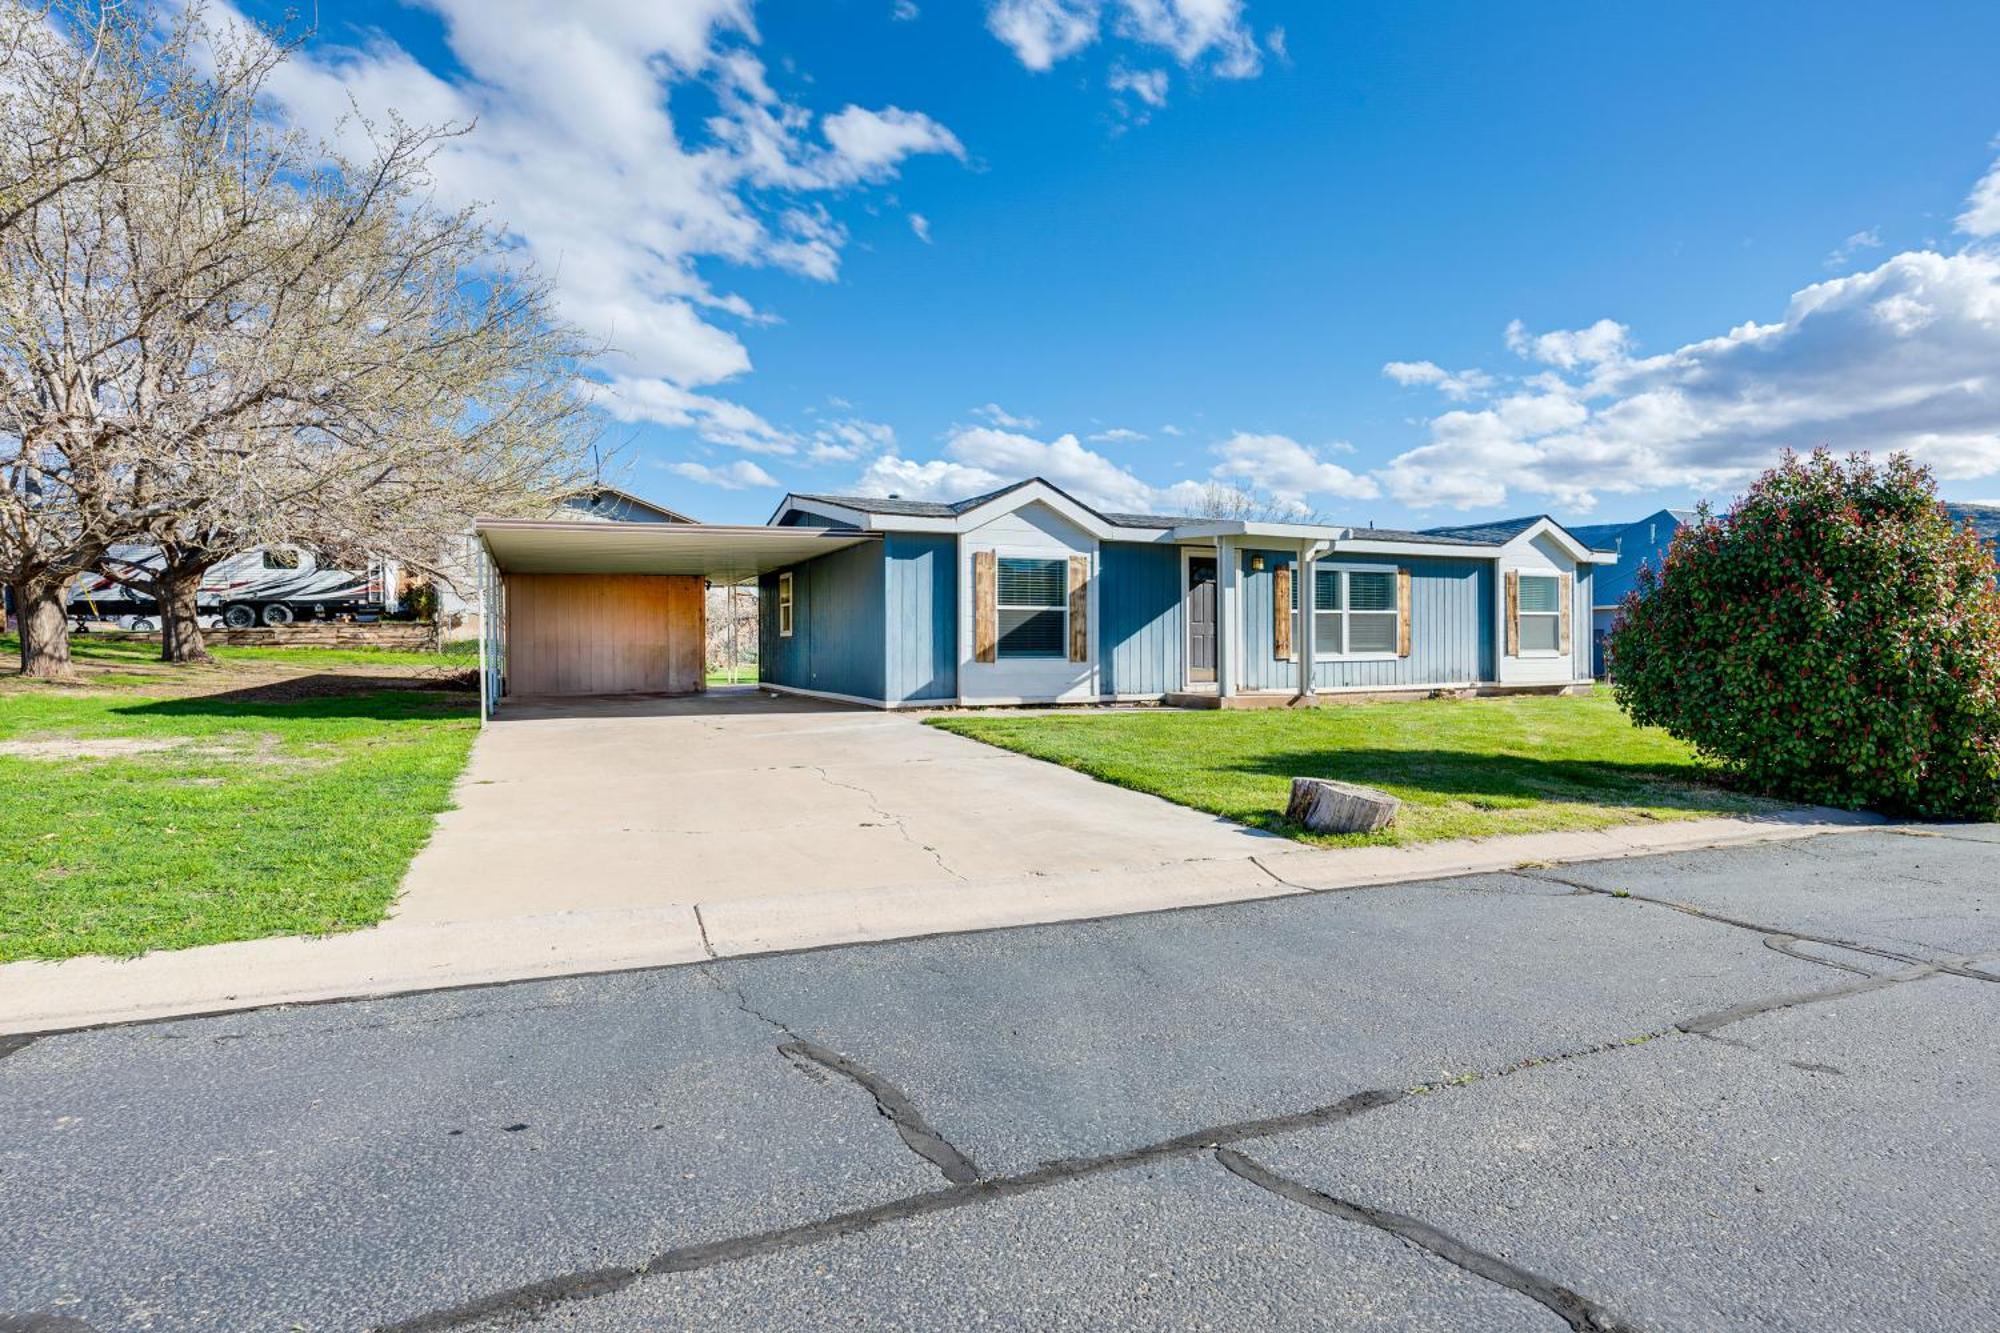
column 44, row 629
column 180, row 626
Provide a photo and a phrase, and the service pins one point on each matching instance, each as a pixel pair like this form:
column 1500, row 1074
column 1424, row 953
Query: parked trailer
column 273, row 585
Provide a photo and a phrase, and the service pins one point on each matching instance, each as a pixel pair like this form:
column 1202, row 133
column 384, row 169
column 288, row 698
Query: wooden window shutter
column 1281, row 613
column 1562, row 590
column 985, row 607
column 1513, row 613
column 1402, row 613
column 1079, row 608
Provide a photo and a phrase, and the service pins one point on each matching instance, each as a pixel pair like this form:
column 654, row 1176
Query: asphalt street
column 1742, row 1089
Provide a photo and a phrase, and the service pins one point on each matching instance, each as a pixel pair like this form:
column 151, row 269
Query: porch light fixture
column 1257, row 564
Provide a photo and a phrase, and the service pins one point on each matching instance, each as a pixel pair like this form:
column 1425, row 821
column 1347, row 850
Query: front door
column 1201, row 618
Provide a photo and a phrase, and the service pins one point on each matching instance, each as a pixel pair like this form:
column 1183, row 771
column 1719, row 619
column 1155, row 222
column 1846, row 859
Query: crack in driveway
column 1578, row 1312
column 887, row 816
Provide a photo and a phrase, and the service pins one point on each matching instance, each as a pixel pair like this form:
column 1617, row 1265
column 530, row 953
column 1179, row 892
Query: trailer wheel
column 239, row 616
column 141, row 625
column 276, row 614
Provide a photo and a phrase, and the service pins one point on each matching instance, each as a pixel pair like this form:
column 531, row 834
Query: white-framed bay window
column 1356, row 612
column 1033, row 606
column 1540, row 611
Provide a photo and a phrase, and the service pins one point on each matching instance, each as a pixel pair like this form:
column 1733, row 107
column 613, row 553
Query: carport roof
column 711, row 550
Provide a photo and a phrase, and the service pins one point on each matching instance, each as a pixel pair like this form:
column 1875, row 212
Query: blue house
column 1026, row 595
column 1644, row 542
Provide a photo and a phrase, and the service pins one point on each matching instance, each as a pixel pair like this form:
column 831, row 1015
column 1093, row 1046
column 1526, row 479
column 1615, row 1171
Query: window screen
column 1327, row 622
column 1371, row 613
column 1541, row 613
column 1034, row 607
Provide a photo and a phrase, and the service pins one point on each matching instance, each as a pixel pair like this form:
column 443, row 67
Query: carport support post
column 479, row 554
column 1228, row 639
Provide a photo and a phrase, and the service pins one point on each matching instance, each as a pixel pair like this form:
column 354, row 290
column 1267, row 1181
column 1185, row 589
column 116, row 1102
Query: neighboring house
column 1026, row 595
column 1644, row 542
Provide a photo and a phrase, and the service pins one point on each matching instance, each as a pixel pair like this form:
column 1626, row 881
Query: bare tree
column 229, row 335
column 1220, row 501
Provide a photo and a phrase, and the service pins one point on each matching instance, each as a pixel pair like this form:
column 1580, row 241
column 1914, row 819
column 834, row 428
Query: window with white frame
column 784, row 606
column 1033, row 604
column 1356, row 612
column 1540, row 611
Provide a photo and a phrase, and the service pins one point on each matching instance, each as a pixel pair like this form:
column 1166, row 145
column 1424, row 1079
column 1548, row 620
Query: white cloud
column 1210, row 33
column 1288, row 471
column 938, row 479
column 921, row 225
column 717, row 420
column 871, row 145
column 1172, row 430
column 1000, row 416
column 1148, row 85
column 981, row 458
column 1458, row 385
column 903, row 11
column 1116, row 435
column 1981, row 217
column 1193, row 29
column 737, row 476
column 1901, row 357
column 1868, row 239
column 1041, row 32
column 845, row 441
column 626, row 148
column 1569, row 348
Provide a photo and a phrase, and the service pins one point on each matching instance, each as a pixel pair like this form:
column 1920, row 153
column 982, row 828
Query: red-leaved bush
column 1832, row 638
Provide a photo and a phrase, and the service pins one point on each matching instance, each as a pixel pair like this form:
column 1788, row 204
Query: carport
column 583, row 608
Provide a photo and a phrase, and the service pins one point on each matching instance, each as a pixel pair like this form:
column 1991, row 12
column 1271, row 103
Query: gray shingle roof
column 1496, row 533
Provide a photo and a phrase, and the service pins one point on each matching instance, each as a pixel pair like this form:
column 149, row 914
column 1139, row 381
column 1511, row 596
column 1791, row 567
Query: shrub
column 1832, row 638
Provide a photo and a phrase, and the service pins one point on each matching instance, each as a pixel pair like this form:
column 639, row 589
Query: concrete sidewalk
column 413, row 955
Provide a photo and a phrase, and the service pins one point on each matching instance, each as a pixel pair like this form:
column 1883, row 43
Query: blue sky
column 1150, row 246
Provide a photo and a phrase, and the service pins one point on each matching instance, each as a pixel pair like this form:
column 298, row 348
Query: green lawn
column 130, row 821
column 456, row 655
column 1463, row 768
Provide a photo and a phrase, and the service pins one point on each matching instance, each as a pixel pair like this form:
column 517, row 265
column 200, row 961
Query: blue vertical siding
column 922, row 625
column 1451, row 627
column 1142, row 638
column 837, row 636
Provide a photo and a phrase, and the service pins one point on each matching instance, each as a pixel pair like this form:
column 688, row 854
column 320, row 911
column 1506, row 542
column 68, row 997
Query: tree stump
column 1325, row 806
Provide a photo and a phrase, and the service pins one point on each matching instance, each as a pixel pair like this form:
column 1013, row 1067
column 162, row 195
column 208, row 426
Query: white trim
column 1574, row 549
column 1188, row 555
column 836, row 697
column 1365, row 546
column 788, row 604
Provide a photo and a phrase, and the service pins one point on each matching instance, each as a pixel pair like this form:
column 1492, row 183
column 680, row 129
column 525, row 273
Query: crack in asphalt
column 536, row 1297
column 891, row 1102
column 896, row 1108
column 888, row 817
column 1578, row 1312
column 1704, row 1024
column 1788, row 946
column 1957, row 965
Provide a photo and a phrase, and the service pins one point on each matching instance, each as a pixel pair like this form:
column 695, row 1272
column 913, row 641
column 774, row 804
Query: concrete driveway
column 620, row 803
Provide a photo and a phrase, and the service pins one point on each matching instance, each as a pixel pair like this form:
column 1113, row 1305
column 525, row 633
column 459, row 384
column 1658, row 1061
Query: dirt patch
column 72, row 747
